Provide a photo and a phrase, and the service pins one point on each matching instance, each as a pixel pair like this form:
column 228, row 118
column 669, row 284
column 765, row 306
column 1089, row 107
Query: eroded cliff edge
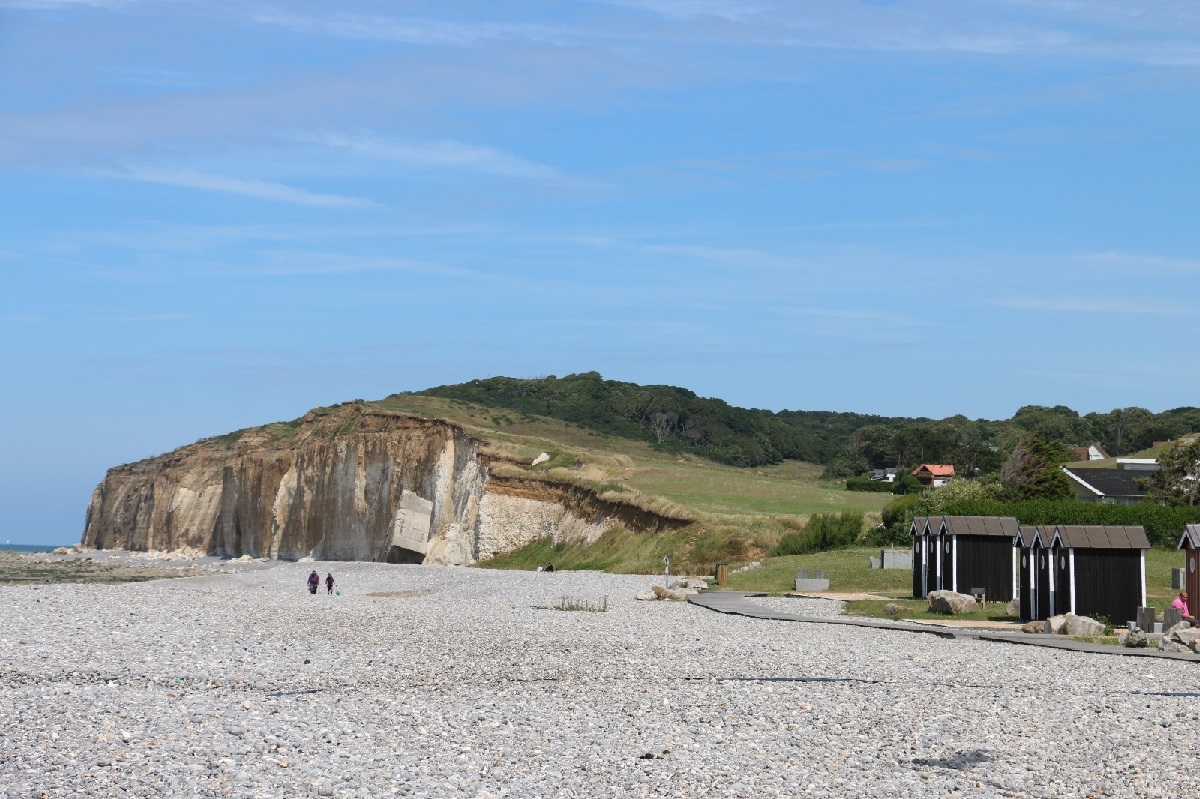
column 351, row 483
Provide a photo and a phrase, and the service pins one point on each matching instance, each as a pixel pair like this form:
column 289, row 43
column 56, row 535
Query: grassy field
column 791, row 489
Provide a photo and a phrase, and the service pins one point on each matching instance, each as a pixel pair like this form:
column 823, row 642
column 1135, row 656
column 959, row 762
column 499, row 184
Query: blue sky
column 219, row 214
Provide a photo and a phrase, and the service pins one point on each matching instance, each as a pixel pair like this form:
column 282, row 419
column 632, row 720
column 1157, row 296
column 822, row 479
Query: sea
column 7, row 547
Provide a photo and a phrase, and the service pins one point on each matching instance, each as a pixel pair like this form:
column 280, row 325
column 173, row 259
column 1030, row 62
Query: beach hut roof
column 1028, row 534
column 999, row 526
column 1191, row 537
column 1079, row 536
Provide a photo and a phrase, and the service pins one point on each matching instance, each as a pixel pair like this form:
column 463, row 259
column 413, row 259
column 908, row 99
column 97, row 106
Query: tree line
column 674, row 419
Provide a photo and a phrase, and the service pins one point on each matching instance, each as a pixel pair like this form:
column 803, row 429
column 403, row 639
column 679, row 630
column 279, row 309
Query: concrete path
column 738, row 603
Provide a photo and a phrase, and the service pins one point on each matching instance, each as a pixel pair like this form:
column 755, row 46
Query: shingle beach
column 424, row 681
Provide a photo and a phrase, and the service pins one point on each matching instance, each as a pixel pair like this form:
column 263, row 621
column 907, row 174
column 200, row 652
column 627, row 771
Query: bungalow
column 934, row 475
column 887, row 475
column 1092, row 452
column 1111, row 486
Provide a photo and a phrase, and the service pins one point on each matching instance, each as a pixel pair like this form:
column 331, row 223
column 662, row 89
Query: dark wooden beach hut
column 932, row 561
column 1099, row 571
column 926, row 564
column 1190, row 544
column 1034, row 582
column 977, row 552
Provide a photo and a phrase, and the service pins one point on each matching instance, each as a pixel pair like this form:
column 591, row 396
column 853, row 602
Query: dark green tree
column 1032, row 469
column 1177, row 481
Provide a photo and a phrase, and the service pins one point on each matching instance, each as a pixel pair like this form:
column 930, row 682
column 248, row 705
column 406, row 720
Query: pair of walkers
column 314, row 582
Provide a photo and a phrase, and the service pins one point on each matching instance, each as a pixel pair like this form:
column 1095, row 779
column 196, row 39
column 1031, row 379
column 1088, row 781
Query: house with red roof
column 934, row 475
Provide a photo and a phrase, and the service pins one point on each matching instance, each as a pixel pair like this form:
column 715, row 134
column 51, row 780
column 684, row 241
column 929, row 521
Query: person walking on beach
column 329, row 583
column 314, row 580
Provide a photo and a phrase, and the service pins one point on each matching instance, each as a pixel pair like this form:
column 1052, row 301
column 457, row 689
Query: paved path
column 738, row 603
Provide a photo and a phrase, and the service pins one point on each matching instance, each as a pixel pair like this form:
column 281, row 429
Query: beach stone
column 951, row 602
column 668, row 593
column 1136, row 639
column 646, row 596
column 1082, row 626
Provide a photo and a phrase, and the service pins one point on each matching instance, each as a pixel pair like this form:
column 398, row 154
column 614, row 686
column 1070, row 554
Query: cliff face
column 352, row 484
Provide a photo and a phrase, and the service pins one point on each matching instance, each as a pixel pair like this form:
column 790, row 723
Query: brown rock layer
column 330, row 486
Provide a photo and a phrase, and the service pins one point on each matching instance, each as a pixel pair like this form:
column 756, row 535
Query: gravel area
column 464, row 682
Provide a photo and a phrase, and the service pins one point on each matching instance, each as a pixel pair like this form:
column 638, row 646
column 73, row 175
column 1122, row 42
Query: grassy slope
column 740, row 513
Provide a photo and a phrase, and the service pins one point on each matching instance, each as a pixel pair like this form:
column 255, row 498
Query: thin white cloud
column 734, row 256
column 52, row 5
column 449, row 155
column 161, row 317
column 1133, row 261
column 1114, row 307
column 876, row 318
column 260, row 189
column 411, row 30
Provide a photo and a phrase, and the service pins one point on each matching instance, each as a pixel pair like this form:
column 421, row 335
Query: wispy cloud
column 1115, row 307
column 137, row 319
column 876, row 318
column 260, row 189
column 449, row 155
column 733, row 256
column 1158, row 263
column 411, row 30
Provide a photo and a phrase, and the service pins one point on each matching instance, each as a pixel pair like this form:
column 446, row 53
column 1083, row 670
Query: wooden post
column 1145, row 619
column 1171, row 617
column 722, row 573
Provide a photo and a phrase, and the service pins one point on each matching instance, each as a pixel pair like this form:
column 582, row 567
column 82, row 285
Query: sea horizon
column 7, row 547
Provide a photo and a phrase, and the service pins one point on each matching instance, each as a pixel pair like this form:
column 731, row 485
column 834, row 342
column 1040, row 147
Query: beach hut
column 926, row 563
column 977, row 552
column 1098, row 571
column 1190, row 543
column 1034, row 581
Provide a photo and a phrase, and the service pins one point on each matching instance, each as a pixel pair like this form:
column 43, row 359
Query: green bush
column 824, row 531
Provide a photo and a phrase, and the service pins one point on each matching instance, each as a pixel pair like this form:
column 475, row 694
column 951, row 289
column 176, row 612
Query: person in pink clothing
column 1180, row 603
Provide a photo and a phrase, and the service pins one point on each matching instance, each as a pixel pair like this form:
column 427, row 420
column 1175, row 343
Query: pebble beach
column 458, row 682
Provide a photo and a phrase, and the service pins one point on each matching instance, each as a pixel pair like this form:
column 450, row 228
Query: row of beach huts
column 1088, row 570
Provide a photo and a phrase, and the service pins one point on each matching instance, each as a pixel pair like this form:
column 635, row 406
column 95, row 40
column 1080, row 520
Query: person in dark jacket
column 314, row 580
column 329, row 583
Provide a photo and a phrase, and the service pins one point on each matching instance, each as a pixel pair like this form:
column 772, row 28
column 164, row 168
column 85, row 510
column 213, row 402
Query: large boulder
column 1054, row 624
column 1082, row 626
column 951, row 603
column 1189, row 637
column 1180, row 638
column 676, row 594
column 690, row 582
column 1013, row 608
column 1033, row 627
